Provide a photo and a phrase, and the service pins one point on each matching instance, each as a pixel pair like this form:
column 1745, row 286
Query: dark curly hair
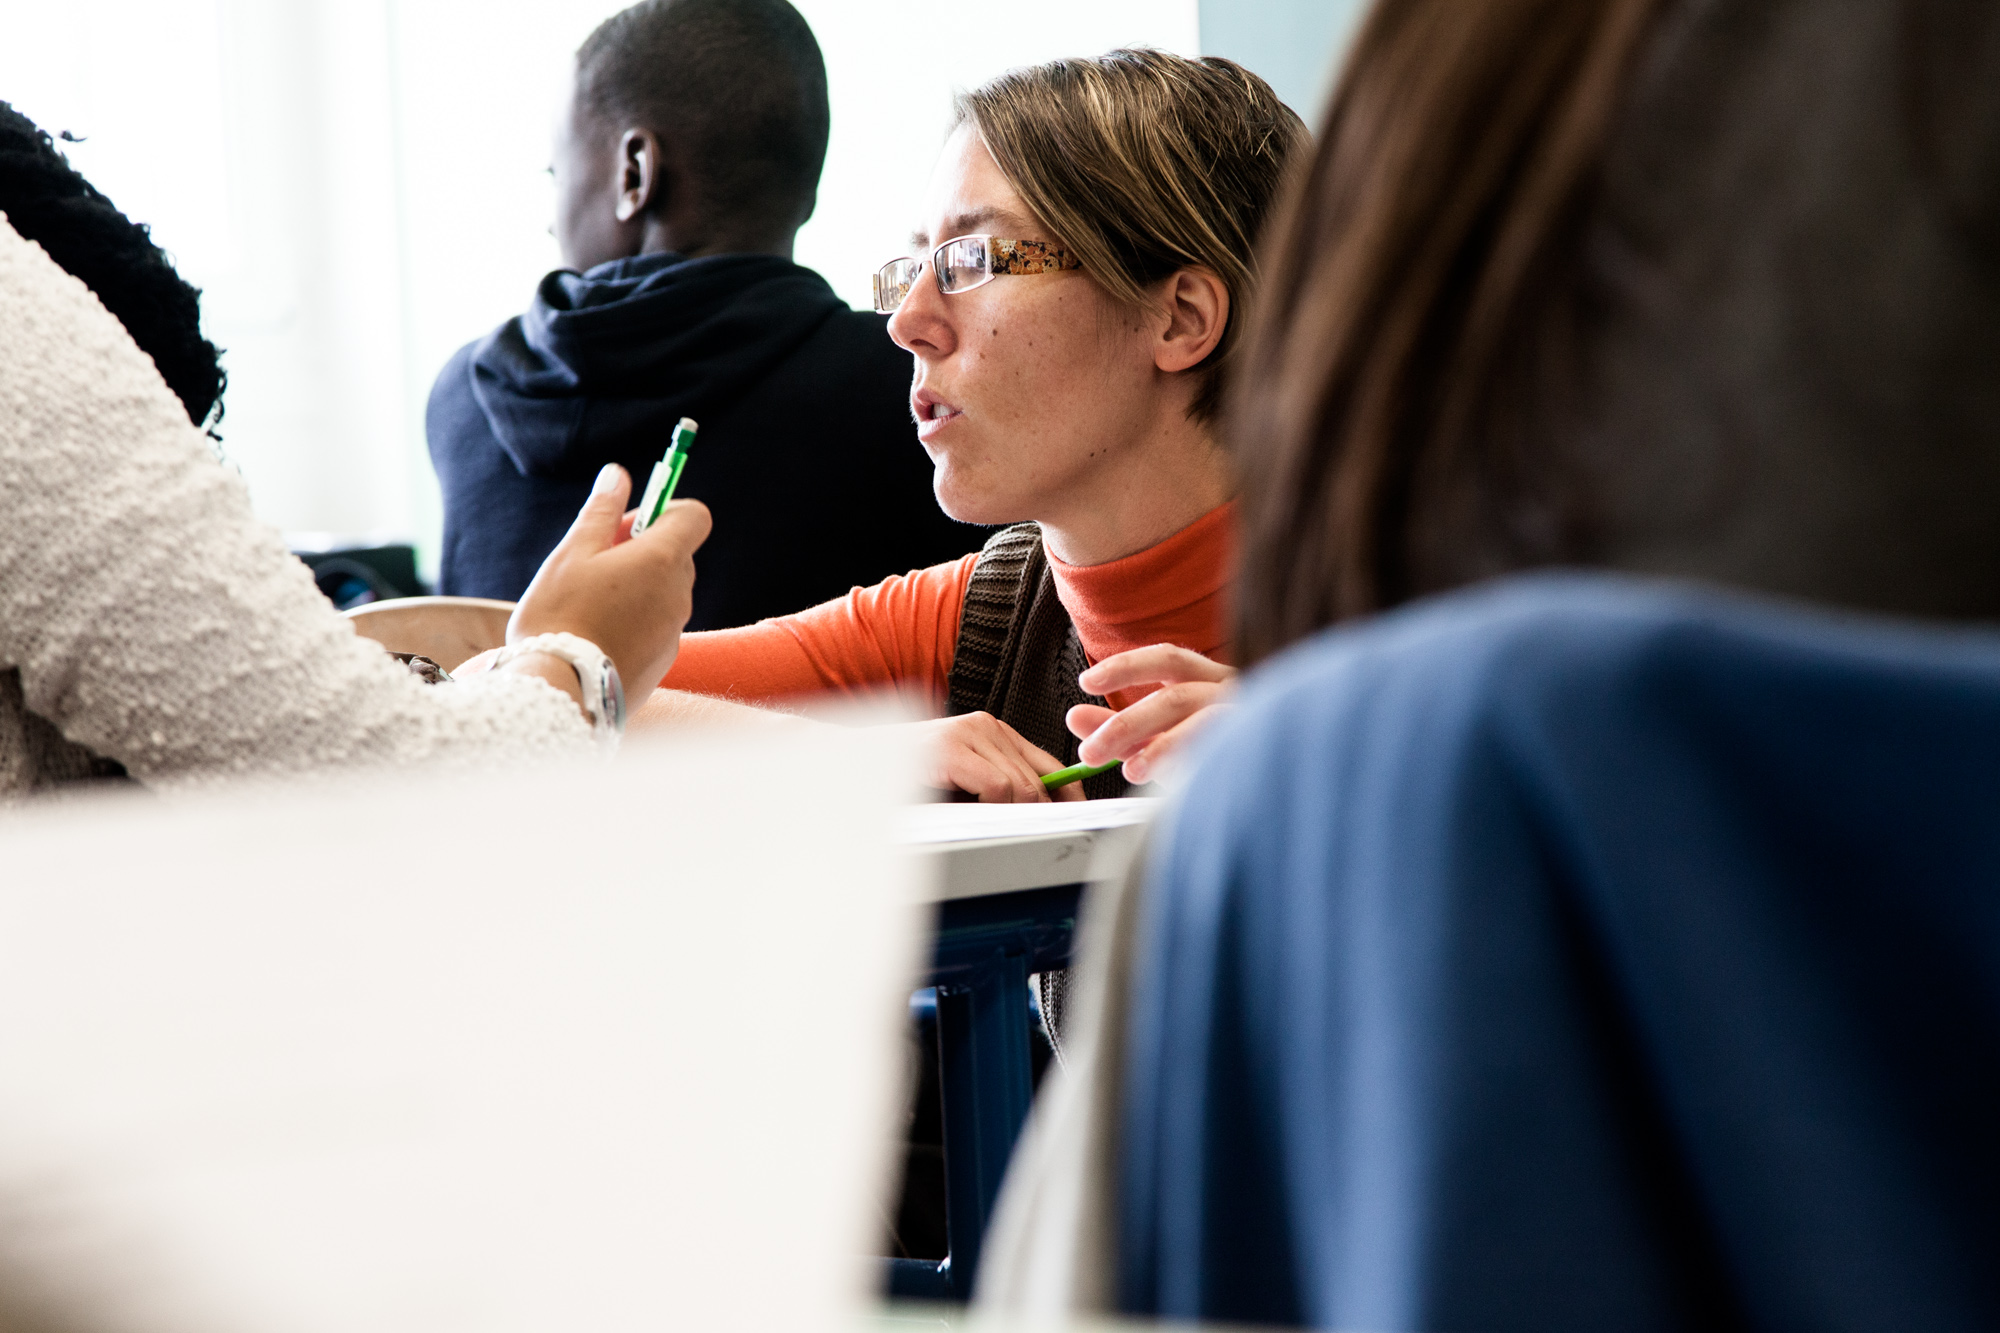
column 50, row 204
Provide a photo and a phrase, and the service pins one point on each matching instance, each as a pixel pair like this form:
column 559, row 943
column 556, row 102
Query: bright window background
column 358, row 185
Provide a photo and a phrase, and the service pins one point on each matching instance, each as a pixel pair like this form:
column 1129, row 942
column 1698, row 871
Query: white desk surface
column 925, row 1317
column 402, row 1055
column 977, row 850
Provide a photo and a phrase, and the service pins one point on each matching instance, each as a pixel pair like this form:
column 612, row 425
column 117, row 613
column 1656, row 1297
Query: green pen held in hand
column 1062, row 777
column 666, row 476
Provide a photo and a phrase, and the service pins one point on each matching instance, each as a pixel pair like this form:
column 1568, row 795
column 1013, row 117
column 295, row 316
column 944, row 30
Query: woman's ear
column 1197, row 310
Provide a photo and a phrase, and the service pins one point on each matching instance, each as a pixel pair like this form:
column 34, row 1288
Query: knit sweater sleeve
column 152, row 618
column 899, row 634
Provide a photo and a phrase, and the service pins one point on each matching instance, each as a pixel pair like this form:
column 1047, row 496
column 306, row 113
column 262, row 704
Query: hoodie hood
column 604, row 362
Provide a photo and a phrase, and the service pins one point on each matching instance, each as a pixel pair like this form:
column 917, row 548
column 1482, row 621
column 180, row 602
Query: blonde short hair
column 1142, row 163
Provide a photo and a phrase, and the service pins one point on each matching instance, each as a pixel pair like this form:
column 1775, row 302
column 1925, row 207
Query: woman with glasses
column 1071, row 301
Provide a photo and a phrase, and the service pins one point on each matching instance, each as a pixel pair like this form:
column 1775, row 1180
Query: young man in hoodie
column 686, row 158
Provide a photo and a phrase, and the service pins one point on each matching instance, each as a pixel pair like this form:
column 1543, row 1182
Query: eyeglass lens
column 893, row 282
column 961, row 265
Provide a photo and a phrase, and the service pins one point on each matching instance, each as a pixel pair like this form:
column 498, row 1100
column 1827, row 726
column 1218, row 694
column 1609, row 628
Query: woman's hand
column 628, row 596
column 979, row 754
column 1191, row 688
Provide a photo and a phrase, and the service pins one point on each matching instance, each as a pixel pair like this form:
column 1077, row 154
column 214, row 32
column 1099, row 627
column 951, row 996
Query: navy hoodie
column 807, row 455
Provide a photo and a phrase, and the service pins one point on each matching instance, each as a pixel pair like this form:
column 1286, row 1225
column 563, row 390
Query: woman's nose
column 922, row 323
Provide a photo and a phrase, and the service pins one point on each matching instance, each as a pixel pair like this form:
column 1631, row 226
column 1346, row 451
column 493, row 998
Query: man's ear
column 638, row 172
column 1197, row 311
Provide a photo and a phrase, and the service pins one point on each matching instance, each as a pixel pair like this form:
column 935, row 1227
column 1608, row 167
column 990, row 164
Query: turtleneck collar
column 1175, row 591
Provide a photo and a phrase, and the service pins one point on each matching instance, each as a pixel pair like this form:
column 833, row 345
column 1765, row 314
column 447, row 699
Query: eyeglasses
column 965, row 262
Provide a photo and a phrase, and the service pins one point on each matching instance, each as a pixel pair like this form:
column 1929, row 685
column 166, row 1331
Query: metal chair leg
column 987, row 1082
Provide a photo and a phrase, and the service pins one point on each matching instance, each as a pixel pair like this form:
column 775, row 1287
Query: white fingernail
column 607, row 477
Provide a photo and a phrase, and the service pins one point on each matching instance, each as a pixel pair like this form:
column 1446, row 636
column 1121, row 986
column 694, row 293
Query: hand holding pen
column 1191, row 689
column 666, row 476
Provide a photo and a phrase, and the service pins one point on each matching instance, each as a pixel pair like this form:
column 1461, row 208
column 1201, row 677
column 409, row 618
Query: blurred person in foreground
column 1611, row 947
column 686, row 157
column 152, row 628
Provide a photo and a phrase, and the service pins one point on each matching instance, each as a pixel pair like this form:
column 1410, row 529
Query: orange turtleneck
column 901, row 633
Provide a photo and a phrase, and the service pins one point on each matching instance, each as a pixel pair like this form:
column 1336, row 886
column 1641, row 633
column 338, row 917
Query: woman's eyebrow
column 965, row 224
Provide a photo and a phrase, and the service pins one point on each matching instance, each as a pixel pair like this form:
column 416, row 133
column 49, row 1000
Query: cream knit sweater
column 147, row 617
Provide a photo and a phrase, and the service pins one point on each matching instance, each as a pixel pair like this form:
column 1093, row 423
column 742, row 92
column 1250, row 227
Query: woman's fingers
column 968, row 757
column 1160, row 663
column 1142, row 766
column 1001, row 774
column 1131, row 730
column 1149, row 730
column 983, row 756
column 630, row 598
column 1069, row 791
column 1083, row 719
column 683, row 526
column 1025, row 764
column 596, row 525
column 1039, row 762
column 994, row 771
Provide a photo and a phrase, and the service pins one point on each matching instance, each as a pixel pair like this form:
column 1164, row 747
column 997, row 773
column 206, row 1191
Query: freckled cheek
column 1048, row 358
column 1022, row 361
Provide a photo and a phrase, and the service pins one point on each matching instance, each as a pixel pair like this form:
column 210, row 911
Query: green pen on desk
column 666, row 476
column 1062, row 777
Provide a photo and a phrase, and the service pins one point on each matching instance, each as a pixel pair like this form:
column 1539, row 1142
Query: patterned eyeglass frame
column 1003, row 259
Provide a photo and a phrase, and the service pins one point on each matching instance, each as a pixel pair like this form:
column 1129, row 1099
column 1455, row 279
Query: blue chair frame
column 984, row 952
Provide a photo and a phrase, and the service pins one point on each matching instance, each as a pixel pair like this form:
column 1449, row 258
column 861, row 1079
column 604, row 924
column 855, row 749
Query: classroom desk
column 931, row 1317
column 1007, row 881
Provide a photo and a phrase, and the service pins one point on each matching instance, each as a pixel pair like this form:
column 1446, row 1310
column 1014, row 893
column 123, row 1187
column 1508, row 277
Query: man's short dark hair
column 740, row 83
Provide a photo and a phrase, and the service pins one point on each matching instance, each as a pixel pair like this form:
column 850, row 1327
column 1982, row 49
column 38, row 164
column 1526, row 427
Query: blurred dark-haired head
column 1698, row 290
column 47, row 202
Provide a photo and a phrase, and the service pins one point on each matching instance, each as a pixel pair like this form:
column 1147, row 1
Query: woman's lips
column 933, row 414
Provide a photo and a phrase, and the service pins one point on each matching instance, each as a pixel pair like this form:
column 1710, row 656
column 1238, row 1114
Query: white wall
column 358, row 185
column 1295, row 44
